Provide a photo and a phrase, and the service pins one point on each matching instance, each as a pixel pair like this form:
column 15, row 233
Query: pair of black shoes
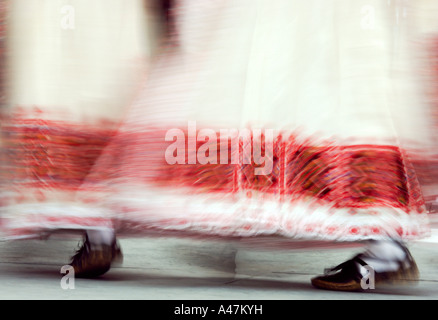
column 93, row 261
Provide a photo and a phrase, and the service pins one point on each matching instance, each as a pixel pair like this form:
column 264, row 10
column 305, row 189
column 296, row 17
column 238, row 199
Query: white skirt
column 287, row 118
column 72, row 70
column 325, row 99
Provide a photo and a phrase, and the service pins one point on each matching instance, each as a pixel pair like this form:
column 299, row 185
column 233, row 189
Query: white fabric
column 78, row 60
column 385, row 250
column 383, row 256
column 337, row 70
column 78, row 63
column 101, row 236
column 314, row 67
column 326, row 70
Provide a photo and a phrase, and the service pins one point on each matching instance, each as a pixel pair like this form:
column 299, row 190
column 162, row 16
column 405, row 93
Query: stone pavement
column 169, row 268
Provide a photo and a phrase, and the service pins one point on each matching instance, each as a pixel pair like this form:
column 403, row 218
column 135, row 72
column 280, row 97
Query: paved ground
column 169, row 268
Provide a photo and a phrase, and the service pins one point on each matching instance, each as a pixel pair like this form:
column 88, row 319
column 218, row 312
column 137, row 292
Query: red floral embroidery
column 60, row 155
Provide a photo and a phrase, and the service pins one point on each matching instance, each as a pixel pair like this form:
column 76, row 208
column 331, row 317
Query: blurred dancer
column 72, row 70
column 286, row 118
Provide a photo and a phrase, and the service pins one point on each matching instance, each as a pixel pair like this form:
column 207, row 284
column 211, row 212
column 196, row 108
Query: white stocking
column 101, row 236
column 384, row 256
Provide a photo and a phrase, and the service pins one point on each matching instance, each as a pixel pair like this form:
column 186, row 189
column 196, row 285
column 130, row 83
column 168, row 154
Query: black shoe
column 94, row 261
column 347, row 275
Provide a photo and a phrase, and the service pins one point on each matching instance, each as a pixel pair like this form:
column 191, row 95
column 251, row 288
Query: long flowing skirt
column 290, row 118
column 72, row 70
